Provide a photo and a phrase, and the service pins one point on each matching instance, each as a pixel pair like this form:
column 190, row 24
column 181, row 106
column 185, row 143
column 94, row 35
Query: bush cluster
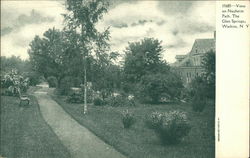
column 128, row 119
column 52, row 81
column 75, row 98
column 119, row 100
column 154, row 120
column 67, row 83
column 12, row 81
column 171, row 127
column 77, row 95
column 156, row 88
column 98, row 101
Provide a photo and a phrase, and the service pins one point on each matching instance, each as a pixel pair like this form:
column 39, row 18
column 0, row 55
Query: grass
column 140, row 142
column 24, row 133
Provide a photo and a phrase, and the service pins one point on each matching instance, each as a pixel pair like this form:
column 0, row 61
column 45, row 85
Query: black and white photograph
column 108, row 79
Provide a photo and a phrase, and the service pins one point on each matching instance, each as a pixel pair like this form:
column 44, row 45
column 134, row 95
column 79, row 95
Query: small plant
column 128, row 119
column 155, row 120
column 98, row 102
column 52, row 81
column 171, row 127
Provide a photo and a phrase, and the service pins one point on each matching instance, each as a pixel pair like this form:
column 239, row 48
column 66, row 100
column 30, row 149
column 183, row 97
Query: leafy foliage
column 98, row 101
column 13, row 62
column 106, row 78
column 75, row 98
column 147, row 75
column 202, row 88
column 55, row 54
column 155, row 87
column 171, row 127
column 34, row 78
column 154, row 120
column 141, row 58
column 52, row 81
column 23, row 68
column 13, row 82
column 208, row 63
column 65, row 85
column 128, row 119
column 119, row 100
column 198, row 93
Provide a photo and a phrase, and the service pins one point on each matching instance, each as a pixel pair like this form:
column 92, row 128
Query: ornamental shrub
column 75, row 98
column 52, row 81
column 154, row 120
column 153, row 87
column 119, row 100
column 12, row 82
column 98, row 101
column 171, row 127
column 128, row 119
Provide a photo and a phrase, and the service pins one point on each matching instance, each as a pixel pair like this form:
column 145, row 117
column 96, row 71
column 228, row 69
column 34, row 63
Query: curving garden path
column 80, row 141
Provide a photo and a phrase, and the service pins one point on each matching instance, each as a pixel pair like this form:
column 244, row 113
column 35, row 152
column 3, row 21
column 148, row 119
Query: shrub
column 128, row 119
column 75, row 98
column 12, row 81
column 171, row 127
column 76, row 95
column 119, row 100
column 24, row 85
column 198, row 103
column 52, row 81
column 154, row 120
column 34, row 78
column 65, row 85
column 198, row 94
column 153, row 87
column 98, row 102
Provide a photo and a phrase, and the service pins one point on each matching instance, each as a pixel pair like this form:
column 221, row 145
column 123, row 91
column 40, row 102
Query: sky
column 176, row 23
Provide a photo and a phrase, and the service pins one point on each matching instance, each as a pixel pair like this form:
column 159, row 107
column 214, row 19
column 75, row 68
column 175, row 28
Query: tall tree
column 141, row 58
column 83, row 15
column 106, row 75
column 146, row 74
column 46, row 53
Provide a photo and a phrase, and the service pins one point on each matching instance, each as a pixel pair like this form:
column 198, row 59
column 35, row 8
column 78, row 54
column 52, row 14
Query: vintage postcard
column 124, row 79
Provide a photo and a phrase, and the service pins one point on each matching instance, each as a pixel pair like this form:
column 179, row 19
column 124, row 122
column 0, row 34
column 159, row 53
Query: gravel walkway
column 80, row 141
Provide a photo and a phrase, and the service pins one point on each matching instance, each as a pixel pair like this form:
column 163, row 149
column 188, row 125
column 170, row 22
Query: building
column 189, row 66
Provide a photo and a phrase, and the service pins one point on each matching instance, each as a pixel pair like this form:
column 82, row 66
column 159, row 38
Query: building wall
column 189, row 66
column 187, row 74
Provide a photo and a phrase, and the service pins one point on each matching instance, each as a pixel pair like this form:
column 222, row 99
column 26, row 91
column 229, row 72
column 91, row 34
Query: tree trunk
column 85, row 77
column 85, row 90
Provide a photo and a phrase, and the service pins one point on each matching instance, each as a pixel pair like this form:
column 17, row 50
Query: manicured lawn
column 140, row 142
column 24, row 133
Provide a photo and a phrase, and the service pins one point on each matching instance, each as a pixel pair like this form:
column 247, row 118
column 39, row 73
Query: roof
column 201, row 46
